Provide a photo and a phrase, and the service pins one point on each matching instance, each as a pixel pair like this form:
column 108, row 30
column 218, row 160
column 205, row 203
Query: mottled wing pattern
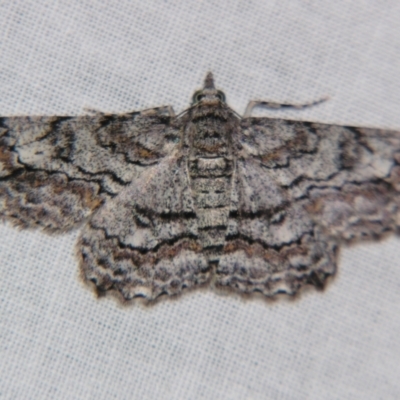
column 54, row 171
column 171, row 202
column 144, row 242
column 300, row 190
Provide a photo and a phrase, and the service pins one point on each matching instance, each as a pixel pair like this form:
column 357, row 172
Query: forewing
column 336, row 184
column 350, row 176
column 144, row 242
column 54, row 171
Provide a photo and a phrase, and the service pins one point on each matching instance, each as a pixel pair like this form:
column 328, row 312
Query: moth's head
column 209, row 95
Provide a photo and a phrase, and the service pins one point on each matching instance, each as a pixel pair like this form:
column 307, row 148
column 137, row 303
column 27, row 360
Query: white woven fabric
column 58, row 341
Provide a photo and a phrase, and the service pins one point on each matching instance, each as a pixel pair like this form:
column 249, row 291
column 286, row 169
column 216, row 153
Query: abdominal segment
column 211, row 182
column 210, row 165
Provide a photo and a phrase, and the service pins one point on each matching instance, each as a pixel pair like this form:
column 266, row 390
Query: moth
column 167, row 203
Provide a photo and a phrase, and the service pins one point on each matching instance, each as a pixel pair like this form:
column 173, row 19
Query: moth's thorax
column 209, row 131
column 210, row 165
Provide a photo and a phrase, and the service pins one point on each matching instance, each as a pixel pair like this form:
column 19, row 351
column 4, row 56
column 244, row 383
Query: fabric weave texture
column 58, row 341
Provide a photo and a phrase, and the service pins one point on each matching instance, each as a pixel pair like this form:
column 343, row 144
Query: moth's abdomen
column 211, row 181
